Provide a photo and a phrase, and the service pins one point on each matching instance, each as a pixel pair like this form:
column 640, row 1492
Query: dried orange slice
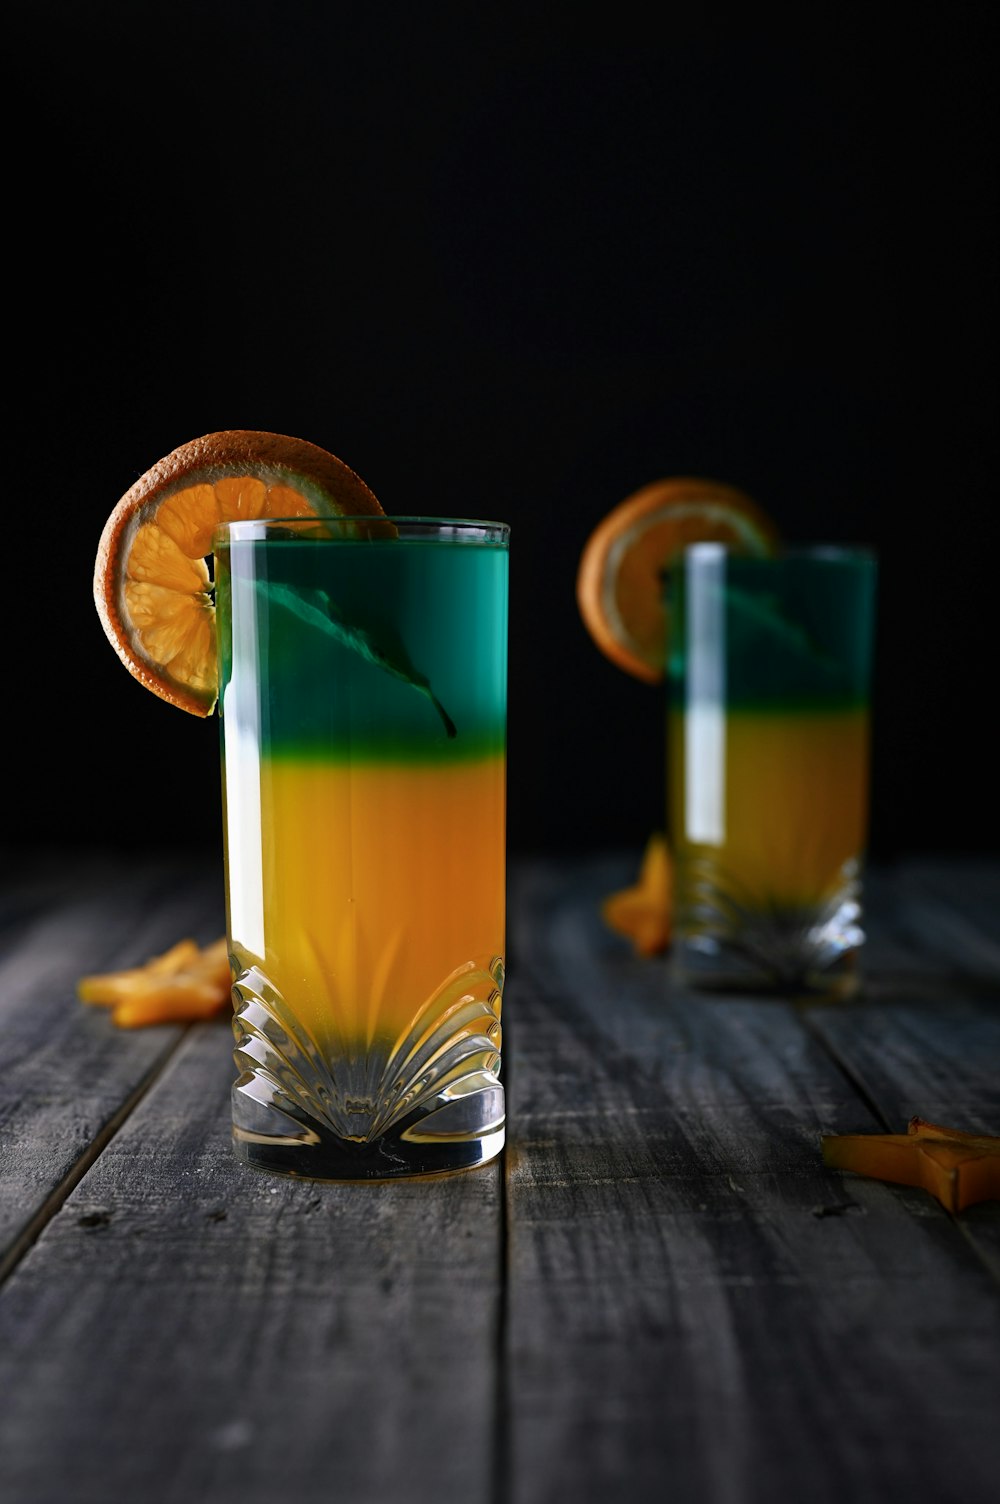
column 184, row 983
column 152, row 585
column 642, row 912
column 623, row 566
column 957, row 1167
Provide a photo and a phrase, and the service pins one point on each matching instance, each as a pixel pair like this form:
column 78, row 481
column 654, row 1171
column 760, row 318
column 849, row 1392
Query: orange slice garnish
column 152, row 584
column 958, row 1167
column 623, row 567
column 643, row 912
column 186, row 982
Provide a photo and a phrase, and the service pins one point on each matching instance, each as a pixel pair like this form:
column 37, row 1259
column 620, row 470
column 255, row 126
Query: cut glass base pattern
column 729, row 938
column 423, row 1104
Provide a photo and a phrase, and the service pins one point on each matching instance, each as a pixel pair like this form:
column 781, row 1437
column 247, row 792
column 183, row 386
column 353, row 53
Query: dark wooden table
column 658, row 1293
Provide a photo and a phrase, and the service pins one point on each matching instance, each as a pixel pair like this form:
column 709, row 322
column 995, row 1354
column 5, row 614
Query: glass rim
column 452, row 529
column 850, row 553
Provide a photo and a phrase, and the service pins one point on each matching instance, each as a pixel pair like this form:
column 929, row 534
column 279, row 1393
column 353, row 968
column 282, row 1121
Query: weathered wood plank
column 941, row 919
column 67, row 1072
column 965, row 894
column 927, row 1042
column 189, row 1330
column 695, row 1305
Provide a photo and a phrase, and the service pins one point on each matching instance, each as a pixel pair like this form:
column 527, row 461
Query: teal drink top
column 382, row 649
column 787, row 633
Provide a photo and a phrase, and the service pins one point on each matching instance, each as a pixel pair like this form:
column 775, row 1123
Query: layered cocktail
column 362, row 691
column 768, row 765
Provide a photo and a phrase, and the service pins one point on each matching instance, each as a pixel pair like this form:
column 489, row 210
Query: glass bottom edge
column 729, row 939
column 722, row 968
column 345, row 1161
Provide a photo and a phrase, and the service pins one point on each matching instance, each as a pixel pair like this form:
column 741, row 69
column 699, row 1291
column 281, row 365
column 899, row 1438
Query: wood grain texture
column 67, row 1073
column 926, row 1041
column 695, row 1304
column 673, row 1299
column 958, row 900
column 187, row 1329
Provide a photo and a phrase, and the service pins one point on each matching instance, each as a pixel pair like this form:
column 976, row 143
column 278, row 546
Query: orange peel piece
column 152, row 585
column 183, row 983
column 642, row 912
column 620, row 577
column 957, row 1167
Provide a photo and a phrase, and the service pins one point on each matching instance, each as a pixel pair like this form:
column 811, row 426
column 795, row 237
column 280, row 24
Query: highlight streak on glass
column 704, row 722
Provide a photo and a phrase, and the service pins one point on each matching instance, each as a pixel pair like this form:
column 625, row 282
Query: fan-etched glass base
column 426, row 1103
column 728, row 939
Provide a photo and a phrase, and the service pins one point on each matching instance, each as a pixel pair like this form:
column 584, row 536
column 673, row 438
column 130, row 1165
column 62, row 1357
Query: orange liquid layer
column 776, row 801
column 359, row 890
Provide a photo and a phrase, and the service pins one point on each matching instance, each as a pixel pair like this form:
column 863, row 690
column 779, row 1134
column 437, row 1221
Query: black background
column 510, row 263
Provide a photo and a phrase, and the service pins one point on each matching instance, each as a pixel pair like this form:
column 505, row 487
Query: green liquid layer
column 387, row 650
column 795, row 635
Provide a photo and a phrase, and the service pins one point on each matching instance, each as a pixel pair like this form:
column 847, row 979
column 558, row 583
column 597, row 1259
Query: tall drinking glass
column 768, row 766
column 363, row 674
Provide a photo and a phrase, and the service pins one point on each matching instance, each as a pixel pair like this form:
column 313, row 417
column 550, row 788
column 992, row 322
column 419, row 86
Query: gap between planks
column 53, row 1203
column 502, row 1490
column 854, row 1080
